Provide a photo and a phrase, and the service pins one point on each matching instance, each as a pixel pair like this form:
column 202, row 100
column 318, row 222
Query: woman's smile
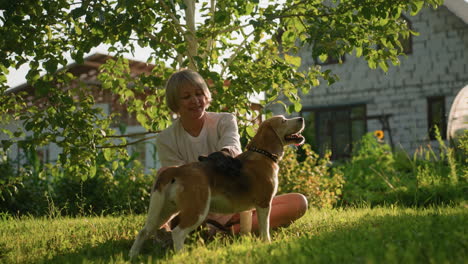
column 193, row 101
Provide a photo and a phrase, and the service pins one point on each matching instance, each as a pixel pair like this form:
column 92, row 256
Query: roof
column 89, row 69
column 459, row 8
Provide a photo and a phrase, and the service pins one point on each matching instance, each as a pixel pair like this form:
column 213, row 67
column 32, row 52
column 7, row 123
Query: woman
column 198, row 133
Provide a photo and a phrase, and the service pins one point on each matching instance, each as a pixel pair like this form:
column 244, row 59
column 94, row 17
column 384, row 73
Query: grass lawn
column 360, row 235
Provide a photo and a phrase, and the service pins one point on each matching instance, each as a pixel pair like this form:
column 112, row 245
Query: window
column 436, row 117
column 335, row 129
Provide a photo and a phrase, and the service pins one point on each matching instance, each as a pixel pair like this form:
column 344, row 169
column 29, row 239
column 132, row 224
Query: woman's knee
column 296, row 203
column 300, row 203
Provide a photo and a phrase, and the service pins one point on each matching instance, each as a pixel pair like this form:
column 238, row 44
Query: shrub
column 21, row 187
column 370, row 171
column 376, row 175
column 124, row 191
column 311, row 176
column 48, row 190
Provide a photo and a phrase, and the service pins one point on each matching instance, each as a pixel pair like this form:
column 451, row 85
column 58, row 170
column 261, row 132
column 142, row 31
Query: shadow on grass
column 112, row 251
column 406, row 237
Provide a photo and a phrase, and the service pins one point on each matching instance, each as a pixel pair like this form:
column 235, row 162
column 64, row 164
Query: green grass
column 359, row 235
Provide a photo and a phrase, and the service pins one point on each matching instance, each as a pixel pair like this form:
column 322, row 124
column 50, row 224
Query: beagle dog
column 193, row 190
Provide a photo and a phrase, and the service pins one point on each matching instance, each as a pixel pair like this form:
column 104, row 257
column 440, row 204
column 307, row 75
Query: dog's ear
column 265, row 134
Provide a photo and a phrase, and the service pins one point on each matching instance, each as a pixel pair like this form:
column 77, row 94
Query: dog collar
column 273, row 157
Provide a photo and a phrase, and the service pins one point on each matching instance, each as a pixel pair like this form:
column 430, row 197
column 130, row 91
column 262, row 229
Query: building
column 86, row 73
column 406, row 102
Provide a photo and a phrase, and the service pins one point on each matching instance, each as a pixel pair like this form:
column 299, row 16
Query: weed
column 376, row 175
column 312, row 176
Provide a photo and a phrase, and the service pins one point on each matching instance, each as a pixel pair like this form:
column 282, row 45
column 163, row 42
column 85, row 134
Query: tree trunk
column 190, row 36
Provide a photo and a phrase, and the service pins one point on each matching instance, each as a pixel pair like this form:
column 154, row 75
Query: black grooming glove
column 222, row 162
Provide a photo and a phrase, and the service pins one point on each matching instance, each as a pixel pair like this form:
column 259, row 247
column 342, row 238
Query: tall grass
column 376, row 175
column 353, row 235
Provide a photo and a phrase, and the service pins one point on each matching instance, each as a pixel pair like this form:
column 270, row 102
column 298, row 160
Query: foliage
column 8, row 183
column 312, row 177
column 247, row 43
column 124, row 192
column 376, row 175
column 354, row 235
column 47, row 190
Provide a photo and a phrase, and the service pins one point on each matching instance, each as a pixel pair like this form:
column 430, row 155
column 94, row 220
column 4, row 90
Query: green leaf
column 297, row 106
column 250, row 131
column 6, row 131
column 6, row 144
column 383, row 65
column 92, row 171
column 315, row 82
column 107, row 154
column 51, row 65
column 294, row 60
column 115, row 165
column 323, row 57
column 416, row 6
column 290, row 109
column 396, row 12
column 63, row 158
column 77, row 29
column 221, row 16
column 142, row 118
column 358, row 52
column 84, row 176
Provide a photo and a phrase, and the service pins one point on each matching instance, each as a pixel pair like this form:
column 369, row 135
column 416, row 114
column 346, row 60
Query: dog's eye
column 284, row 120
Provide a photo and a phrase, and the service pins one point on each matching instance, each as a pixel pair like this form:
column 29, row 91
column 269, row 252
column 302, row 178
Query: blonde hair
column 180, row 79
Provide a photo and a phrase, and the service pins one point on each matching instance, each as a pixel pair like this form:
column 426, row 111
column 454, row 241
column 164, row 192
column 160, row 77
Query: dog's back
column 225, row 173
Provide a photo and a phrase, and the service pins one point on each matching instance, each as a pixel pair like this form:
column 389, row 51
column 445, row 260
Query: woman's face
column 192, row 102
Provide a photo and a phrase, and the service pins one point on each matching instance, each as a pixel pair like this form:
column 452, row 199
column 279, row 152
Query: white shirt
column 176, row 147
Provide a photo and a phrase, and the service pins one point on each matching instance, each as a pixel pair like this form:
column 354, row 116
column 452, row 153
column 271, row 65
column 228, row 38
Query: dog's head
column 287, row 130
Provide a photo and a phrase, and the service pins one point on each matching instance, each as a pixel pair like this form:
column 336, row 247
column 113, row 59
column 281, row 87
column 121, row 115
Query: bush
column 370, row 171
column 124, row 191
column 376, row 175
column 21, row 189
column 47, row 190
column 311, row 176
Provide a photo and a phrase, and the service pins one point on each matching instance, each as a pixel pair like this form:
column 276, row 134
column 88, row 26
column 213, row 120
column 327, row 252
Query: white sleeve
column 228, row 134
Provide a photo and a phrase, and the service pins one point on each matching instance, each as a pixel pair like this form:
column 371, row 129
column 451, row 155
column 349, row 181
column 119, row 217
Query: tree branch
column 133, row 134
column 161, row 40
column 231, row 59
column 190, row 36
column 210, row 41
column 126, row 145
